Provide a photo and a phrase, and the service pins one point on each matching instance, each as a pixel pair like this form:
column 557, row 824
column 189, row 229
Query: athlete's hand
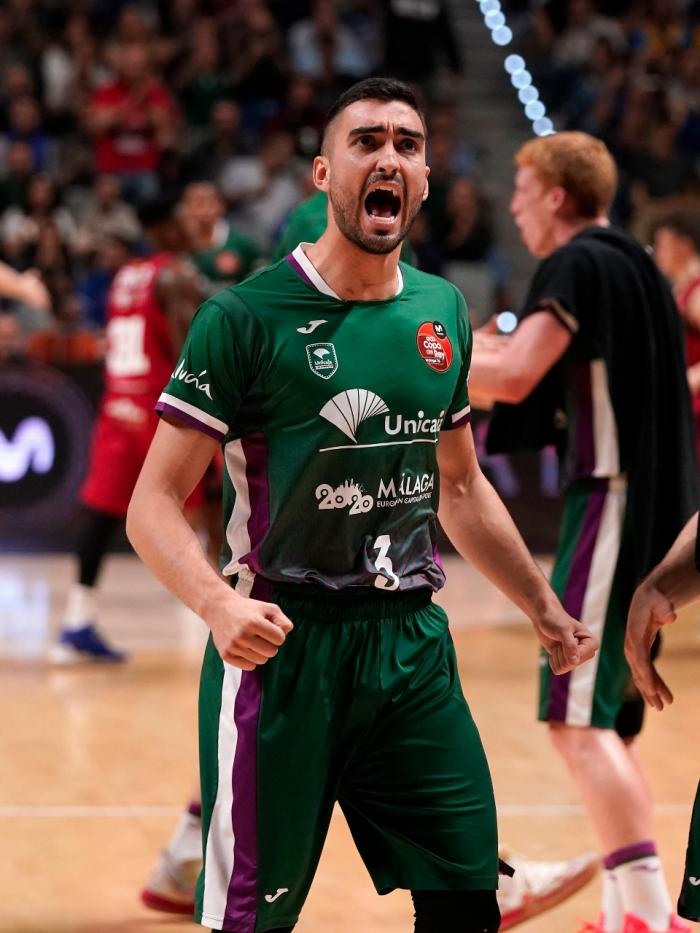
column 567, row 642
column 649, row 611
column 246, row 632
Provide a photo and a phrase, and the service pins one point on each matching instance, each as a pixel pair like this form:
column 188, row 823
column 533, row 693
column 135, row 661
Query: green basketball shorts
column 363, row 706
column 689, row 901
column 591, row 579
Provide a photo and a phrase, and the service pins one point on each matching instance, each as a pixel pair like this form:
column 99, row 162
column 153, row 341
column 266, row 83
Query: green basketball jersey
column 230, row 260
column 329, row 413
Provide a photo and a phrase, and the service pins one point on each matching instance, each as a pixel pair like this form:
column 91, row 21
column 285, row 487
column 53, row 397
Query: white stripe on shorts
column 579, row 707
column 218, row 866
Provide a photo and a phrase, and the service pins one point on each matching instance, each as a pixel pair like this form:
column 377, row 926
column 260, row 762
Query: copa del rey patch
column 434, row 346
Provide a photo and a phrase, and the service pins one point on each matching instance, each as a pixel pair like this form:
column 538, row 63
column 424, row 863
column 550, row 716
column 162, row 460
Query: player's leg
column 582, row 707
column 689, row 902
column 272, row 747
column 456, row 912
column 172, row 884
column 417, row 791
column 80, row 639
column 117, row 453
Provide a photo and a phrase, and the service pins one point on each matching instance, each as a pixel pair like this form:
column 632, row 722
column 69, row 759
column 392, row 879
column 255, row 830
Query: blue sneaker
column 83, row 644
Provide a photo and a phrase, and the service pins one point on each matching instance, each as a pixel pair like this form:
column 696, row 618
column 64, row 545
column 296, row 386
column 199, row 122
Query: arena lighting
column 515, row 65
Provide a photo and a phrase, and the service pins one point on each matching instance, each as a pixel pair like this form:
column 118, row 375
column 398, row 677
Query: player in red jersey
column 677, row 254
column 151, row 303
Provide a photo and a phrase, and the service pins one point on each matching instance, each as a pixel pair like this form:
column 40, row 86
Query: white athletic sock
column 81, row 606
column 186, row 842
column 644, row 893
column 612, row 914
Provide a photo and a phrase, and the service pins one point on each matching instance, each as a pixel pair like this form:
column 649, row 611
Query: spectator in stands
column 132, row 120
column 419, row 37
column 301, row 116
column 71, row 70
column 21, row 229
column 468, row 234
column 106, row 214
column 201, row 80
column 14, row 181
column 222, row 255
column 255, row 48
column 322, row 47
column 584, row 27
column 659, row 170
column 263, row 189
column 222, row 142
column 109, row 255
column 24, row 124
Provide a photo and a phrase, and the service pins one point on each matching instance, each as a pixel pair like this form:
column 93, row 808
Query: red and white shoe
column 171, row 886
column 538, row 886
column 634, row 924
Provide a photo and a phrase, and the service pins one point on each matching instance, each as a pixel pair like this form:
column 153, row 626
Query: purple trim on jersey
column 242, row 898
column 585, row 456
column 576, row 588
column 188, row 420
column 296, row 266
column 437, row 559
column 645, row 849
column 465, row 419
column 256, row 459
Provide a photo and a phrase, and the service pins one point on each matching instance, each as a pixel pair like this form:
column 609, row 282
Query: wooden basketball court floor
column 96, row 762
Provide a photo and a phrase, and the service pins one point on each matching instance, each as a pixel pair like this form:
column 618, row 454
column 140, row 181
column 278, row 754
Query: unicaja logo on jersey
column 189, row 378
column 347, row 410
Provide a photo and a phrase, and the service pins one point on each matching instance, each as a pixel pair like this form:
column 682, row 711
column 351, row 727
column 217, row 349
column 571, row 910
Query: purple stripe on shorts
column 296, row 266
column 639, row 850
column 191, row 422
column 585, row 441
column 576, row 588
column 256, row 459
column 242, row 899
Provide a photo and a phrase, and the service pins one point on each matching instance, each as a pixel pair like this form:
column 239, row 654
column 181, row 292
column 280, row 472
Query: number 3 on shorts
column 383, row 564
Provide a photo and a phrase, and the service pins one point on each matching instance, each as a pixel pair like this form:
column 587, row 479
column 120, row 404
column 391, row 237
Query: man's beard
column 375, row 243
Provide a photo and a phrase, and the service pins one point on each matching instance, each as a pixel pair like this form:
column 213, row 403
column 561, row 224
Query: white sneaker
column 172, row 885
column 538, row 886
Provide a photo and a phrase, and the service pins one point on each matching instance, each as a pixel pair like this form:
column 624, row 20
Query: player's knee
column 456, row 911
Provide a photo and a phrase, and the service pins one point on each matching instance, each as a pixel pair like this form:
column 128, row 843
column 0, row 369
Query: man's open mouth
column 383, row 204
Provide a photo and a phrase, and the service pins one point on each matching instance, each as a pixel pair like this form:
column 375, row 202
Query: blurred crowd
column 104, row 105
column 627, row 71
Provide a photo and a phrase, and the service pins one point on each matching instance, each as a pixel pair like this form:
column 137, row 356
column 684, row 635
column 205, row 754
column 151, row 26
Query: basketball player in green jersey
column 336, row 382
column 672, row 584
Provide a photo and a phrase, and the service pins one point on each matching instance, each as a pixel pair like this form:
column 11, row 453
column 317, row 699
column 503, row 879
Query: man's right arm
column 246, row 632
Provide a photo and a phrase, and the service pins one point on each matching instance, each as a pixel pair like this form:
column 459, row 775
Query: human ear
column 321, row 173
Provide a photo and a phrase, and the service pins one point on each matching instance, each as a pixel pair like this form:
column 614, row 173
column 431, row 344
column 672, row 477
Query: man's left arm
column 479, row 526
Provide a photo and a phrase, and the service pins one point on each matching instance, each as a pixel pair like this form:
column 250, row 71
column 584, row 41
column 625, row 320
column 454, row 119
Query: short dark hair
column 384, row 89
column 683, row 223
column 156, row 210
